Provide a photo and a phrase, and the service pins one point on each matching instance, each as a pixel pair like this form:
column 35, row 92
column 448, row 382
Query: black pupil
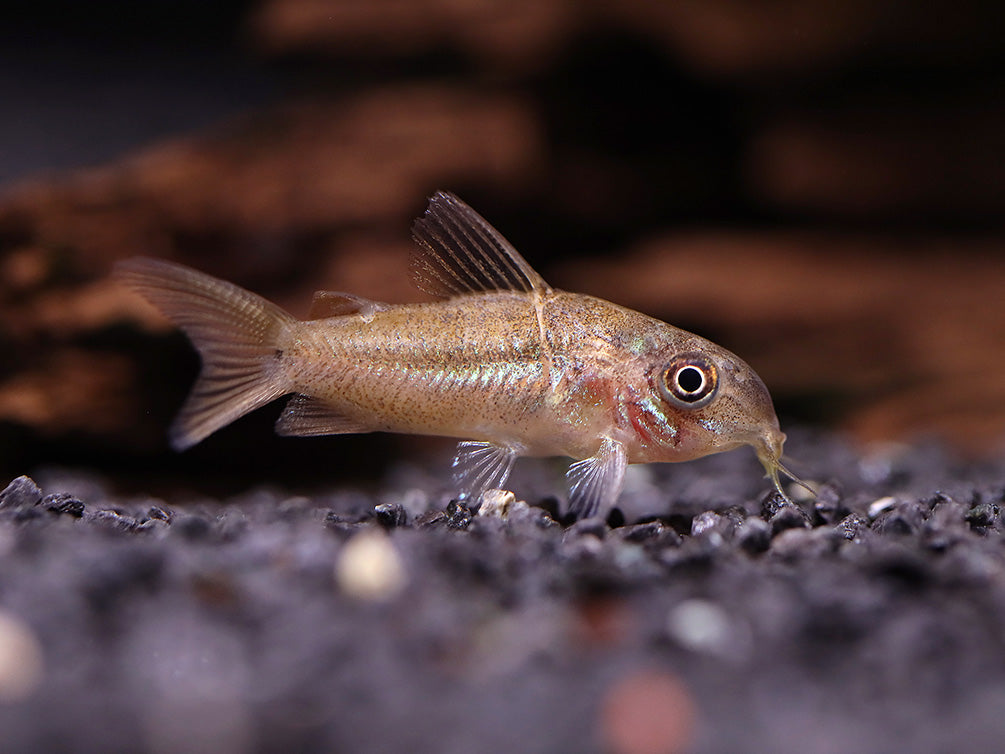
column 689, row 379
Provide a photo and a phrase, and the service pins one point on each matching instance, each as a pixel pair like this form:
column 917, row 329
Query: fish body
column 503, row 361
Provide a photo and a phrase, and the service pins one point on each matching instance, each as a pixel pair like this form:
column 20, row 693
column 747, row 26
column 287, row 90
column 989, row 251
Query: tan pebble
column 799, row 494
column 496, row 503
column 369, row 567
column 21, row 660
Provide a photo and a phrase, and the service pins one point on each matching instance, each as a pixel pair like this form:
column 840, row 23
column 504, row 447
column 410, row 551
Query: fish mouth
column 769, row 452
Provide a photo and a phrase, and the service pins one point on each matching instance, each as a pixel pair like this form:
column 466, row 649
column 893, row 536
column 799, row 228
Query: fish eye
column 690, row 380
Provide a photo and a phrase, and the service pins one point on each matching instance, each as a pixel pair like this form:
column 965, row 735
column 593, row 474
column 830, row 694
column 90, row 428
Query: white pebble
column 883, row 504
column 701, row 626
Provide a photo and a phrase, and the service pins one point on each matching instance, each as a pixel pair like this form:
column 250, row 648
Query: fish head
column 714, row 402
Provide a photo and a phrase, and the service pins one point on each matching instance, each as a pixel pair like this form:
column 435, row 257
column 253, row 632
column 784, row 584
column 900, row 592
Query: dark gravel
column 715, row 618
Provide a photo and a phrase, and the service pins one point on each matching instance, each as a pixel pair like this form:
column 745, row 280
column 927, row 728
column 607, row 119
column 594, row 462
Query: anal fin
column 480, row 466
column 305, row 416
column 595, row 482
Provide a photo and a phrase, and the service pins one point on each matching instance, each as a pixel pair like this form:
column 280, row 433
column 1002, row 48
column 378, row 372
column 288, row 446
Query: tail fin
column 236, row 332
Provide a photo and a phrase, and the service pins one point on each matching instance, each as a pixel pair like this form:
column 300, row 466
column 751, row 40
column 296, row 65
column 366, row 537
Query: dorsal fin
column 327, row 304
column 458, row 252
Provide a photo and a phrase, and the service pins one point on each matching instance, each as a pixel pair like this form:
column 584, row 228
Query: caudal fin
column 236, row 332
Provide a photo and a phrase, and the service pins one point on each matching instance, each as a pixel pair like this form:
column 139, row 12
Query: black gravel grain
column 718, row 618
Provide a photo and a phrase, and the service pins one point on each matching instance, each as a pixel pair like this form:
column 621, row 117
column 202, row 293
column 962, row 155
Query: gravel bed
column 706, row 616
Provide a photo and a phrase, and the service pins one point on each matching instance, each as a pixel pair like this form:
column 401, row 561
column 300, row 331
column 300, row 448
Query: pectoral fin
column 480, row 466
column 595, row 482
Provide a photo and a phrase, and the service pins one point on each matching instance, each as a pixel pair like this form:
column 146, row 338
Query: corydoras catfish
column 501, row 360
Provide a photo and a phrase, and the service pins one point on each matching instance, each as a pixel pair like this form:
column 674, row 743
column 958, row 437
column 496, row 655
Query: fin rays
column 480, row 466
column 595, row 482
column 309, row 417
column 235, row 331
column 458, row 252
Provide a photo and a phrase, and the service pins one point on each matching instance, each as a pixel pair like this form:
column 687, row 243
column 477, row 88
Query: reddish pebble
column 648, row 712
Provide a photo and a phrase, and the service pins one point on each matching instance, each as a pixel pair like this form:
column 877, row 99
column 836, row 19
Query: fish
column 499, row 360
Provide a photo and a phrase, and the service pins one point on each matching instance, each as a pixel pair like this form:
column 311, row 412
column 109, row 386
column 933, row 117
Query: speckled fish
column 502, row 360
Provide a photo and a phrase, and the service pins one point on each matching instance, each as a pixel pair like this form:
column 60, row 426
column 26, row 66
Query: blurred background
column 818, row 186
